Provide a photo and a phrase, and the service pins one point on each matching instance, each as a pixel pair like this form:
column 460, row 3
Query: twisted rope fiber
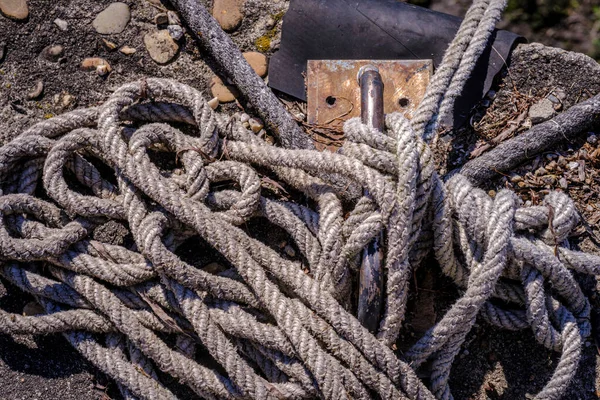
column 276, row 327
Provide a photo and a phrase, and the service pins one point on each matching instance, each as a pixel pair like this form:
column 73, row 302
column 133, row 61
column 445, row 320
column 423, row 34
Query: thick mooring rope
column 269, row 327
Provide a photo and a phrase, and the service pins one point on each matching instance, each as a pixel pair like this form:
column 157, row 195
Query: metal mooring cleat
column 342, row 89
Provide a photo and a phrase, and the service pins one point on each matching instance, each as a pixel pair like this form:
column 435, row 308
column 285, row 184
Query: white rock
column 161, row 46
column 127, row 50
column 173, row 18
column 113, row 19
column 214, row 103
column 256, row 125
column 61, row 23
column 175, row 31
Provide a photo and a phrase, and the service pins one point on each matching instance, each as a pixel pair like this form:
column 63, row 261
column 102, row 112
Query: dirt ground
column 493, row 365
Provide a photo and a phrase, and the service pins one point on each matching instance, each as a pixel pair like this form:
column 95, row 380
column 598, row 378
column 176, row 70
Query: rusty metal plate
column 333, row 93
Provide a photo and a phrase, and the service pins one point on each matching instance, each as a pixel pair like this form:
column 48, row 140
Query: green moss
column 263, row 43
column 278, row 17
column 48, row 115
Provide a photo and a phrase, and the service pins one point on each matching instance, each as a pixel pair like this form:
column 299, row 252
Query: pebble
column 67, row 100
column 573, row 164
column 103, row 69
column 113, row 19
column 225, row 94
column 541, row 171
column 63, row 100
column 101, row 66
column 256, row 125
column 161, row 19
column 213, row 103
column 563, row 183
column 244, row 118
column 109, row 45
column 516, row 178
column 14, row 9
column 52, row 53
column 289, row 250
column 270, row 23
column 228, row 14
column 33, row 308
column 127, row 50
column 61, row 23
column 175, row 31
column 541, row 111
column 591, row 139
column 214, row 268
column 258, row 62
column 161, row 46
column 173, row 18
column 37, row 91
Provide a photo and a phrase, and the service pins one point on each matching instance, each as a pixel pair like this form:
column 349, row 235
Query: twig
column 261, row 99
column 507, row 155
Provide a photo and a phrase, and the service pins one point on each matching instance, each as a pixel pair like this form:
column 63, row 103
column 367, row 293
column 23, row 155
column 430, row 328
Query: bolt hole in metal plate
column 333, row 93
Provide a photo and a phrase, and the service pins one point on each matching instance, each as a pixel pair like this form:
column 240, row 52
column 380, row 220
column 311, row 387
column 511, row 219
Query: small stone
column 37, row 91
column 573, row 164
column 541, row 111
column 161, row 46
column 33, row 308
column 591, row 139
column 61, row 23
column 214, row 268
column 225, row 93
column 109, row 45
column 516, row 178
column 52, row 53
column 258, row 62
column 289, row 250
column 541, row 171
column 91, row 63
column 244, row 118
column 113, row 19
column 127, row 50
column 175, row 31
column 213, row 103
column 256, row 125
column 161, row 19
column 549, row 179
column 67, row 100
column 173, row 18
column 553, row 99
column 103, row 69
column 270, row 23
column 228, row 14
column 14, row 9
column 563, row 183
column 560, row 93
column 562, row 162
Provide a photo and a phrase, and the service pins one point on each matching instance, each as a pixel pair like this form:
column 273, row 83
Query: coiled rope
column 273, row 328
